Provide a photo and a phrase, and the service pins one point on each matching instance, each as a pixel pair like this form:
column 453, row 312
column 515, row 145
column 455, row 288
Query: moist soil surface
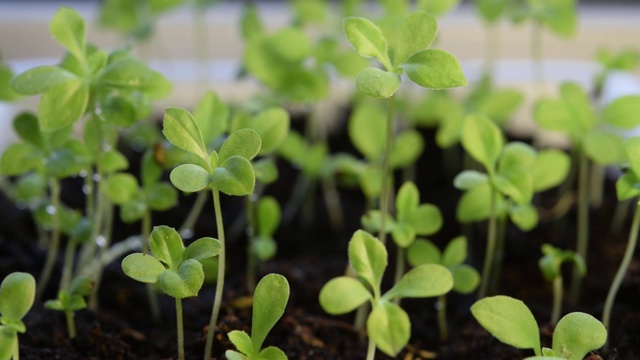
column 310, row 253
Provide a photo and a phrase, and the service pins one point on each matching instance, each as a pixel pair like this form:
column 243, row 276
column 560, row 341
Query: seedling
column 624, row 60
column 388, row 326
column 269, row 301
column 17, row 293
column 72, row 300
column 511, row 322
column 175, row 269
column 465, row 278
column 550, row 265
column 228, row 171
column 262, row 246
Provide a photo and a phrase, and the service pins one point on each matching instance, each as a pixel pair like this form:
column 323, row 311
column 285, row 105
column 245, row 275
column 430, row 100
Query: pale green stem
column 89, row 197
column 492, row 44
column 152, row 294
column 220, row 283
column 400, row 267
column 620, row 215
column 88, row 251
column 251, row 234
column 557, row 300
column 442, row 318
column 583, row 224
column 108, row 227
column 536, row 55
column 371, row 349
column 491, row 247
column 332, row 200
column 71, row 323
column 386, row 172
column 16, row 351
column 499, row 254
column 596, row 185
column 180, row 329
column 186, row 229
column 67, row 266
column 622, row 270
column 54, row 240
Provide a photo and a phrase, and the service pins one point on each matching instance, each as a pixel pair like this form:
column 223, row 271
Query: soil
column 308, row 257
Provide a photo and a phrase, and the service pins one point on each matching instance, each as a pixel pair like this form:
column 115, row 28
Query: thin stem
column 557, row 300
column 620, row 215
column 71, row 323
column 622, row 270
column 220, row 283
column 180, row 329
column 536, row 55
column 492, row 44
column 596, row 185
column 400, row 267
column 491, row 245
column 152, row 295
column 583, row 224
column 54, row 241
column 386, row 172
column 332, row 200
column 67, row 266
column 251, row 234
column 371, row 350
column 88, row 251
column 442, row 318
column 16, row 350
column 106, row 241
column 186, row 229
column 499, row 257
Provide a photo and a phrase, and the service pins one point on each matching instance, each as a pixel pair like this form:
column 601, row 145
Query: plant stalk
column 619, row 216
column 557, row 300
column 180, row 329
column 71, row 323
column 596, row 185
column 220, row 282
column 583, row 224
column 491, row 246
column 54, row 240
column 186, row 229
column 371, row 350
column 386, row 172
column 622, row 270
column 442, row 318
column 16, row 350
column 251, row 233
column 400, row 267
column 152, row 295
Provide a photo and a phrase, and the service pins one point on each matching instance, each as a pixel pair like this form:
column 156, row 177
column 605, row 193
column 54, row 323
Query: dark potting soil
column 309, row 256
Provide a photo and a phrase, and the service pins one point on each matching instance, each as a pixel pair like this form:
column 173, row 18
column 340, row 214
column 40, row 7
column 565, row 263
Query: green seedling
column 624, row 60
column 573, row 114
column 6, row 74
column 514, row 172
column 465, row 278
column 228, row 170
column 17, row 293
column 388, row 325
column 269, row 301
column 262, row 246
column 550, row 265
column 407, row 53
column 71, row 300
column 627, row 187
column 511, row 322
column 491, row 11
column 175, row 269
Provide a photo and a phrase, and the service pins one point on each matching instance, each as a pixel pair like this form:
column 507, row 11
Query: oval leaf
column 235, row 176
column 435, row 69
column 415, row 33
column 39, row 79
column 181, row 129
column 190, row 178
column 377, row 83
column 142, row 267
column 62, row 105
column 423, row 252
column 202, row 248
column 270, row 299
column 367, row 38
column 245, row 143
column 368, row 257
column 68, row 28
column 578, row 333
column 389, row 326
column 483, row 140
column 427, row 280
column 17, row 293
column 186, row 282
column 166, row 245
column 465, row 279
column 623, row 112
column 455, row 252
column 342, row 295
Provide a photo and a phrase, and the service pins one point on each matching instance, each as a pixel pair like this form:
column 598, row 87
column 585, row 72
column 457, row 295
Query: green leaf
column 627, row 186
column 270, row 299
column 264, row 247
column 181, row 129
column 17, row 293
column 434, row 69
column 549, row 169
column 250, row 22
column 280, row 45
column 368, row 40
column 342, row 295
column 455, row 252
column 509, row 320
column 427, row 280
column 474, row 204
column 63, row 104
column 632, row 150
column 212, row 116
column 266, row 170
column 577, row 334
column 377, row 83
column 468, row 179
column 423, row 252
column 407, row 200
column 426, row 220
column 235, row 176
column 7, row 93
column 166, row 245
column 367, row 129
column 623, row 112
column 142, row 267
column 202, row 248
column 27, row 128
column 415, row 33
column 272, row 125
column 234, row 355
column 557, row 115
column 368, row 257
column 500, row 105
column 406, row 149
column 403, row 234
column 186, row 282
column 268, row 215
column 19, row 158
column 516, row 156
column 190, row 178
column 604, row 148
column 244, row 143
column 483, row 140
column 41, row 78
column 465, row 279
column 161, row 197
column 121, row 188
column 516, row 184
column 112, row 161
column 389, row 326
column 272, row 353
column 68, row 28
column 242, row 341
column 8, row 339
column 524, row 216
column 491, row 10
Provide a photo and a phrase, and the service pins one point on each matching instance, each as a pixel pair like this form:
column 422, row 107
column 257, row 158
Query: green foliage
column 6, row 92
column 17, row 293
column 271, row 124
column 134, row 19
column 627, row 185
column 387, row 325
column 175, row 268
column 491, row 10
column 269, row 302
column 511, row 322
column 72, row 299
column 553, row 258
column 268, row 216
column 559, row 16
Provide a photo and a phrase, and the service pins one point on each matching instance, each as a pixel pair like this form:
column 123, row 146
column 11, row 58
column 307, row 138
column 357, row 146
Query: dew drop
column 50, row 209
column 101, row 241
column 186, row 233
column 86, row 189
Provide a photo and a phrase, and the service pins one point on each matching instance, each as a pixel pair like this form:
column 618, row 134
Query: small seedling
column 71, row 300
column 511, row 322
column 17, row 293
column 550, row 265
column 269, row 301
column 262, row 245
column 465, row 278
column 175, row 269
column 388, row 325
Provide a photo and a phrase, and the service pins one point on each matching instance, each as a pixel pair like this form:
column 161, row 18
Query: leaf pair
column 229, row 170
column 387, row 325
column 511, row 322
column 430, row 68
column 17, row 293
column 177, row 270
column 72, row 299
column 269, row 301
column 267, row 220
column 553, row 258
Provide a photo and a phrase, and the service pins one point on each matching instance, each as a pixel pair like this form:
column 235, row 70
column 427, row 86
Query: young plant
column 465, row 278
column 550, row 265
column 269, row 301
column 262, row 246
column 228, row 170
column 511, row 322
column 388, row 325
column 71, row 300
column 407, row 53
column 624, row 60
column 17, row 293
column 175, row 269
